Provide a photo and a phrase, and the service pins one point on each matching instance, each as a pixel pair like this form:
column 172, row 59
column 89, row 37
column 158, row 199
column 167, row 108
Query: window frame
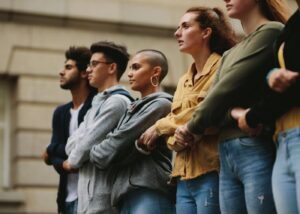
column 5, row 125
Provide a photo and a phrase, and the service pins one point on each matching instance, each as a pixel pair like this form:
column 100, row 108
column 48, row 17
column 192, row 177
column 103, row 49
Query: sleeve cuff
column 140, row 149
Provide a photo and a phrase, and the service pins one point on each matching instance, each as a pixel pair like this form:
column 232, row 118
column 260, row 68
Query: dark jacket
column 56, row 148
column 118, row 152
column 274, row 104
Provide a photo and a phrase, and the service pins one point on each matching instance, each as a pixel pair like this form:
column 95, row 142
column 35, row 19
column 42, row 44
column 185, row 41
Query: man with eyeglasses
column 66, row 119
column 107, row 64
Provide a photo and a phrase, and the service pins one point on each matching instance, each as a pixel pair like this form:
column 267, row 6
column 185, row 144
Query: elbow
column 98, row 160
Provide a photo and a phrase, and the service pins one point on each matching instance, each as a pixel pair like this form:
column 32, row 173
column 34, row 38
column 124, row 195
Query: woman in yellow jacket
column 205, row 34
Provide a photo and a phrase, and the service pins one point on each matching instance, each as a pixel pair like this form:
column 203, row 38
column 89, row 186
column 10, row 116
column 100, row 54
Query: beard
column 70, row 84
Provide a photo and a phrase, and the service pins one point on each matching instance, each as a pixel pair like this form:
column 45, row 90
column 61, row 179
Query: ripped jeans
column 245, row 176
column 199, row 195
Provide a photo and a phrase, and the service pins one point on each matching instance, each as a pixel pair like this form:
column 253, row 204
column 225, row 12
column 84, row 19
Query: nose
column 177, row 33
column 61, row 72
column 129, row 73
column 88, row 69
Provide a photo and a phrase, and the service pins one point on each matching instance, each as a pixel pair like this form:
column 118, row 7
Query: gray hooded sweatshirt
column 94, row 188
column 118, row 153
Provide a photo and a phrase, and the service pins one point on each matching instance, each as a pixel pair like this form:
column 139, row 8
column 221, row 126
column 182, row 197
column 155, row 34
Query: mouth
column 180, row 42
column 228, row 6
column 131, row 81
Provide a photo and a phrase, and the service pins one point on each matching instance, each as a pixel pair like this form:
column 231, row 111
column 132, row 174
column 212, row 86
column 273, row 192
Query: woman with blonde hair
column 246, row 160
column 204, row 33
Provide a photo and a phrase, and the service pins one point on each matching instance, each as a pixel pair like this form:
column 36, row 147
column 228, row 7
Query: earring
column 154, row 81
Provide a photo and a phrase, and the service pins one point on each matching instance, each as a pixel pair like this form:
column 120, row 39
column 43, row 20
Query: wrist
column 270, row 73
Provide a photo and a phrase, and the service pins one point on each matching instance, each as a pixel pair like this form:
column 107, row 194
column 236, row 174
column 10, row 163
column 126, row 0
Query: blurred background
column 33, row 37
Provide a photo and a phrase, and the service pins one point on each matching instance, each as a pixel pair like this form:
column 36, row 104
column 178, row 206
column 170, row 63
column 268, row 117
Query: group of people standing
column 234, row 113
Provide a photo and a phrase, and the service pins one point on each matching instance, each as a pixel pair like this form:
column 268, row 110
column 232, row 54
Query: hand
column 147, row 141
column 45, row 157
column 280, row 79
column 239, row 114
column 184, row 137
column 67, row 167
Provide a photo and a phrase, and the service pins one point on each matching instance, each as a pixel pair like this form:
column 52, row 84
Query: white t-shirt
column 72, row 180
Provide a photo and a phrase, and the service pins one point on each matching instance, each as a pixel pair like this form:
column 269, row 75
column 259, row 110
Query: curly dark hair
column 81, row 55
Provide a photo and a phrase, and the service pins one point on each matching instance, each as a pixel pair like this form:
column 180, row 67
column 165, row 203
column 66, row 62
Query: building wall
column 34, row 35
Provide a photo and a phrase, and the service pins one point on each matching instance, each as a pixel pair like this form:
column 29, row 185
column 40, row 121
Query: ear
column 206, row 33
column 112, row 68
column 156, row 71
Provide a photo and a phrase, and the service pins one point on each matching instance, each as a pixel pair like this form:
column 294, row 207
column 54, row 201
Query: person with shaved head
column 140, row 178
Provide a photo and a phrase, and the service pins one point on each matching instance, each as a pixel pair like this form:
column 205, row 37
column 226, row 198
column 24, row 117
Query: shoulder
column 263, row 37
column 270, row 29
column 116, row 102
column 120, row 98
column 62, row 108
column 161, row 102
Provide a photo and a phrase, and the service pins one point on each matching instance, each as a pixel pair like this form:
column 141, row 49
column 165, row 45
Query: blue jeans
column 286, row 172
column 245, row 176
column 199, row 195
column 146, row 201
column 71, row 207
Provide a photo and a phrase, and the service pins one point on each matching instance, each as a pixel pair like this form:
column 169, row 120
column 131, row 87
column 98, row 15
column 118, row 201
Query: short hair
column 157, row 58
column 81, row 55
column 113, row 52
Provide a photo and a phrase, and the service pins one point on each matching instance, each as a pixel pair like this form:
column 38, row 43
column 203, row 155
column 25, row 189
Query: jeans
column 199, row 195
column 286, row 172
column 71, row 207
column 245, row 176
column 146, row 201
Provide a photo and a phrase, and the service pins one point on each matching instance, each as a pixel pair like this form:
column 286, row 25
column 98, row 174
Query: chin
column 64, row 86
column 91, row 83
column 133, row 88
column 232, row 15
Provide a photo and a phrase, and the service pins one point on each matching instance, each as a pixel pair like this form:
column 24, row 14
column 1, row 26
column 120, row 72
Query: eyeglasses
column 94, row 63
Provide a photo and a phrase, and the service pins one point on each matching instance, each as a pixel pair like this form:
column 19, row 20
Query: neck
column 150, row 90
column 252, row 20
column 200, row 59
column 79, row 95
column 109, row 82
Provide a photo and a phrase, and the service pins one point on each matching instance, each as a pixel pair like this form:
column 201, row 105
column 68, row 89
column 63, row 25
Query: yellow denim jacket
column 203, row 157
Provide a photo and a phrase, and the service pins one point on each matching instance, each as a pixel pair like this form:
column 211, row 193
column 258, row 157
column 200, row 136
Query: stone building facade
column 33, row 37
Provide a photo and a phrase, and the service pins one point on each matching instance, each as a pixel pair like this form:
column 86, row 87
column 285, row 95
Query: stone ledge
column 12, row 197
column 11, row 202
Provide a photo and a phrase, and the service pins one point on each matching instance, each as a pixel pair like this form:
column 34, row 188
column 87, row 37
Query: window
column 4, row 134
